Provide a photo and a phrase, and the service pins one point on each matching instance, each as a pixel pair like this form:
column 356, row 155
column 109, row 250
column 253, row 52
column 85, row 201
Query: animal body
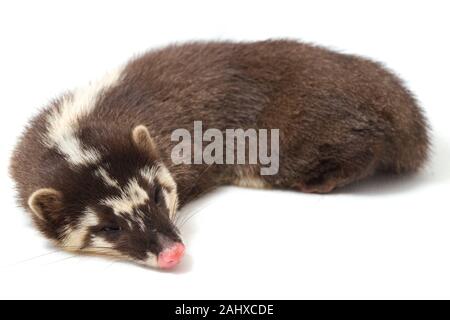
column 94, row 167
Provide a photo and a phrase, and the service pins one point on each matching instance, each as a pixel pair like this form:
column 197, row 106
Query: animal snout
column 171, row 256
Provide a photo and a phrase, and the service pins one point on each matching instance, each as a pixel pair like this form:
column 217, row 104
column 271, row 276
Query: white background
column 384, row 238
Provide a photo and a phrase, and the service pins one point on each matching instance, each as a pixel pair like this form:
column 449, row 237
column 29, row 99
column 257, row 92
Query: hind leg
column 331, row 143
column 336, row 169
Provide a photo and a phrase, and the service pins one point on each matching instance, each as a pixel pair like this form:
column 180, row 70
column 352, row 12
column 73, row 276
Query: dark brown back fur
column 341, row 117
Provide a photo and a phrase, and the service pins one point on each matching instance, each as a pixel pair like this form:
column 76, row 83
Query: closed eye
column 111, row 229
column 158, row 195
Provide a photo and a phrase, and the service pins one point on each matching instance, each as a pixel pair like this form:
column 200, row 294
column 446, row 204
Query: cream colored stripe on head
column 131, row 197
column 106, row 177
column 75, row 238
column 150, row 261
column 171, row 196
column 63, row 121
column 162, row 174
column 150, row 173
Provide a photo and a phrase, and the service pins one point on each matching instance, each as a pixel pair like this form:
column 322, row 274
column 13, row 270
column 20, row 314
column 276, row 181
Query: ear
column 143, row 140
column 46, row 203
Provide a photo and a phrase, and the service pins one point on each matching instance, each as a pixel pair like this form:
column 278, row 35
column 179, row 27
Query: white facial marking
column 139, row 219
column 149, row 173
column 101, row 246
column 160, row 172
column 151, row 260
column 165, row 178
column 75, row 237
column 109, row 181
column 63, row 122
column 131, row 197
column 171, row 198
column 100, row 243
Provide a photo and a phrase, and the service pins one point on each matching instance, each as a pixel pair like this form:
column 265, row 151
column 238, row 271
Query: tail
column 408, row 139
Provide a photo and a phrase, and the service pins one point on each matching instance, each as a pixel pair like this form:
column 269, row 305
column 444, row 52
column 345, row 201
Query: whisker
column 75, row 247
column 191, row 215
column 106, row 249
column 199, row 177
column 189, row 188
column 110, row 264
column 33, row 258
column 60, row 260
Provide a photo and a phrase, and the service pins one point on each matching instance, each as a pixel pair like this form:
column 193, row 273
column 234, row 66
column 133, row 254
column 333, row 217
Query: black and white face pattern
column 106, row 193
column 122, row 205
column 130, row 218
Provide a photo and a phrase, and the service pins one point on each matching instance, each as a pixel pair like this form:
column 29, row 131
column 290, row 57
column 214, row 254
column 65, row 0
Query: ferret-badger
column 95, row 170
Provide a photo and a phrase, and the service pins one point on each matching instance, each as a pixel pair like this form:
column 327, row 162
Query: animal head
column 116, row 198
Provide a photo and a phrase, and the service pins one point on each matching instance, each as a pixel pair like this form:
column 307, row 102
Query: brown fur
column 341, row 118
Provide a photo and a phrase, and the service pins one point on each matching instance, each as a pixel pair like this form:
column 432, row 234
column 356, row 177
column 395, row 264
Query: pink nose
column 171, row 256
